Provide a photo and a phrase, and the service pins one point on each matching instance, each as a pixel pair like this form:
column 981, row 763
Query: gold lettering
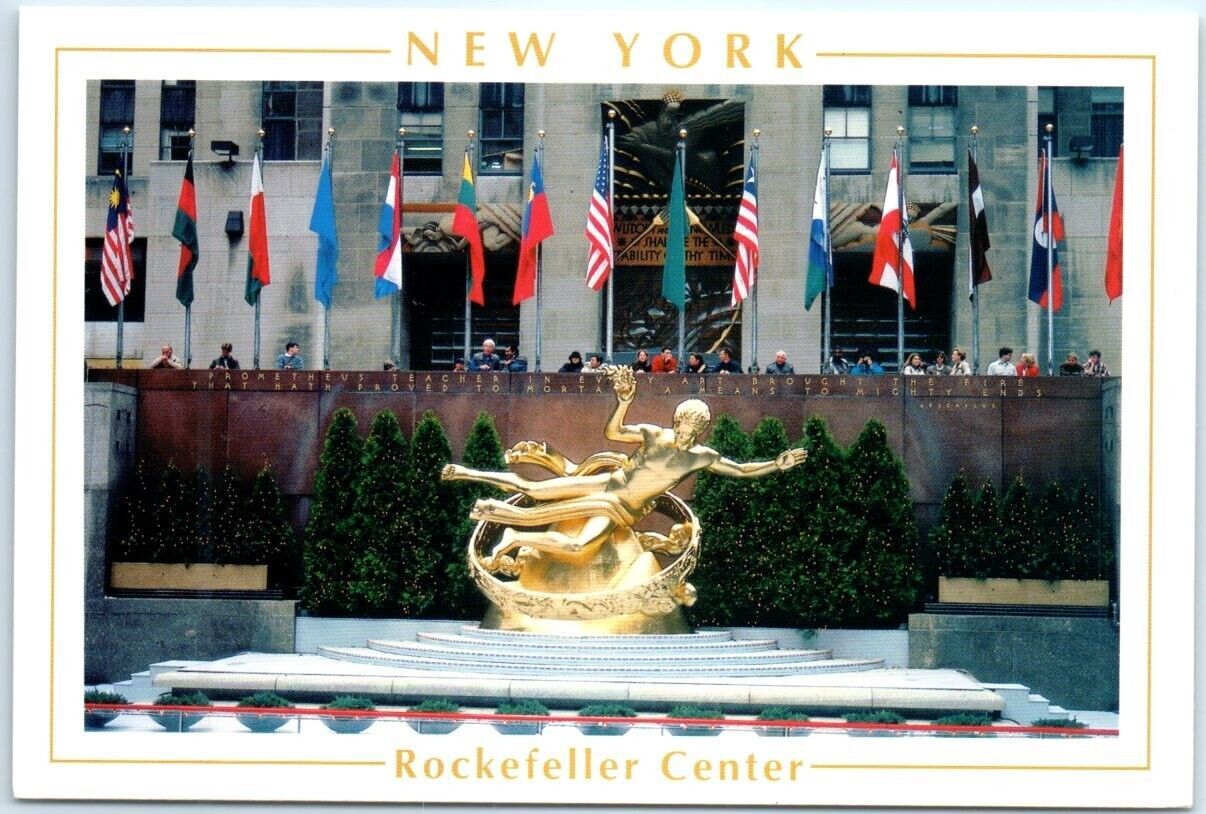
column 625, row 48
column 509, row 768
column 402, row 760
column 667, row 771
column 607, row 768
column 668, row 50
column 533, row 44
column 736, row 51
column 458, row 768
column 472, row 46
column 785, row 53
column 413, row 41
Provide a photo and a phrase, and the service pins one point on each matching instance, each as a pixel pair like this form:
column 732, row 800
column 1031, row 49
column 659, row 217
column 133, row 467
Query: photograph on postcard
column 479, row 420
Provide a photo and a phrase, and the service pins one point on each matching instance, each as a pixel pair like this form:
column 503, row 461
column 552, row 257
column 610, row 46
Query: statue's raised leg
column 593, row 531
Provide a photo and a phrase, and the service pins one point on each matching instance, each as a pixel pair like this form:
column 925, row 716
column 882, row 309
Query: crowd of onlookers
column 665, row 362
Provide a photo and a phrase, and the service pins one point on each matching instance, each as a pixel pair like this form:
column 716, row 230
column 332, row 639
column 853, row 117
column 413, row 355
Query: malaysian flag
column 117, row 264
column 746, row 235
column 600, row 260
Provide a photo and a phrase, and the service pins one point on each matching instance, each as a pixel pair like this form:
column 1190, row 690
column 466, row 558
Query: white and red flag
column 892, row 263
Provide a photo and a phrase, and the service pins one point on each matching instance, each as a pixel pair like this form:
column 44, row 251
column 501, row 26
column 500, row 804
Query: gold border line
column 1151, row 389
column 131, row 50
column 220, row 762
column 886, row 55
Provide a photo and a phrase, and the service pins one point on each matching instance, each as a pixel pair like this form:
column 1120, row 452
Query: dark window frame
column 291, row 133
column 845, row 99
column 500, row 128
column 177, row 115
column 117, row 100
column 421, row 112
column 928, row 101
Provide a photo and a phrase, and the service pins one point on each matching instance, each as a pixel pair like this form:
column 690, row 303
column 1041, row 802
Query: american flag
column 598, row 225
column 117, row 264
column 746, row 235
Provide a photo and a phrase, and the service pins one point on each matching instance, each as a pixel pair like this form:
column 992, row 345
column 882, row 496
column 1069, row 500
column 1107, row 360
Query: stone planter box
column 98, row 719
column 970, row 591
column 426, row 727
column 517, row 728
column 176, row 721
column 693, row 730
column 348, row 726
column 603, row 729
column 259, row 722
column 195, row 577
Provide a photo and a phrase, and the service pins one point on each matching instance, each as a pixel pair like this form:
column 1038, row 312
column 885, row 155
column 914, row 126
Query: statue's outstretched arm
column 624, row 383
column 756, row 469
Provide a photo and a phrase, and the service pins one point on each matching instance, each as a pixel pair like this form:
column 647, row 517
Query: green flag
column 674, row 275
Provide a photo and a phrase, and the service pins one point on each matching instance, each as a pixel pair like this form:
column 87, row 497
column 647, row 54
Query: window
column 501, row 131
column 1106, row 121
column 932, row 115
column 292, row 121
column 177, row 110
column 96, row 307
column 116, row 114
column 1047, row 115
column 421, row 112
column 848, row 116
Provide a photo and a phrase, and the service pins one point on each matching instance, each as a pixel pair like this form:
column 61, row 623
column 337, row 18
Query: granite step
column 651, row 639
column 608, row 668
column 590, row 657
column 616, row 645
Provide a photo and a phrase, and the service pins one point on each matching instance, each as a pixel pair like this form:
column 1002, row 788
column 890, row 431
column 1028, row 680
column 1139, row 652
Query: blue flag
column 322, row 223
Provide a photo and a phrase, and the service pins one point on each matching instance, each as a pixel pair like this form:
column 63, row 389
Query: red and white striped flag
column 117, row 264
column 892, row 264
column 746, row 234
column 601, row 257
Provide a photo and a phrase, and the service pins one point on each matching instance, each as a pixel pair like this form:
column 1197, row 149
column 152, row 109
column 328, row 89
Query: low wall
column 126, row 635
column 1073, row 661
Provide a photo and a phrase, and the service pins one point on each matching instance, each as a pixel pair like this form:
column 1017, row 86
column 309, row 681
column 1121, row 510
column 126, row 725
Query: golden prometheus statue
column 564, row 554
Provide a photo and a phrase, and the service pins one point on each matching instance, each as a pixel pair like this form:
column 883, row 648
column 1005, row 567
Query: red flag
column 537, row 226
column 1113, row 269
column 258, row 274
column 888, row 251
column 117, row 263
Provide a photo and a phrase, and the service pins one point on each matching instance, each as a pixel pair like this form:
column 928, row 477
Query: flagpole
column 255, row 357
column 611, row 196
column 900, row 281
column 682, row 312
column 121, row 305
column 326, row 308
column 540, row 264
column 188, row 309
column 468, row 269
column 397, row 304
column 753, row 274
column 971, row 263
column 826, row 308
column 1048, row 224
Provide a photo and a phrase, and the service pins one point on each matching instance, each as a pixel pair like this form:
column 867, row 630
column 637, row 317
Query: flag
column 674, row 274
column 601, row 257
column 322, row 223
column 977, row 256
column 464, row 223
column 185, row 230
column 1113, row 269
column 117, row 264
column 537, row 226
column 820, row 263
column 888, row 251
column 258, row 274
column 388, row 268
column 746, row 234
column 1038, row 251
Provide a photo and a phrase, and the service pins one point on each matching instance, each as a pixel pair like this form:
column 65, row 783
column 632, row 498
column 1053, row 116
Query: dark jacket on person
column 517, row 365
column 1070, row 369
column 571, row 367
column 776, row 369
column 731, row 366
column 228, row 362
column 480, row 360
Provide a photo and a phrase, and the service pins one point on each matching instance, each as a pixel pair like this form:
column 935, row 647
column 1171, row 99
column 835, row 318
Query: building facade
column 424, row 326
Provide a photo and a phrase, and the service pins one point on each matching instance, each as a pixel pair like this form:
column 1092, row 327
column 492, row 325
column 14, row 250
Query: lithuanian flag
column 464, row 223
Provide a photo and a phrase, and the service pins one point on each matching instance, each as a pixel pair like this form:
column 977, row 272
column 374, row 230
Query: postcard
column 787, row 393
